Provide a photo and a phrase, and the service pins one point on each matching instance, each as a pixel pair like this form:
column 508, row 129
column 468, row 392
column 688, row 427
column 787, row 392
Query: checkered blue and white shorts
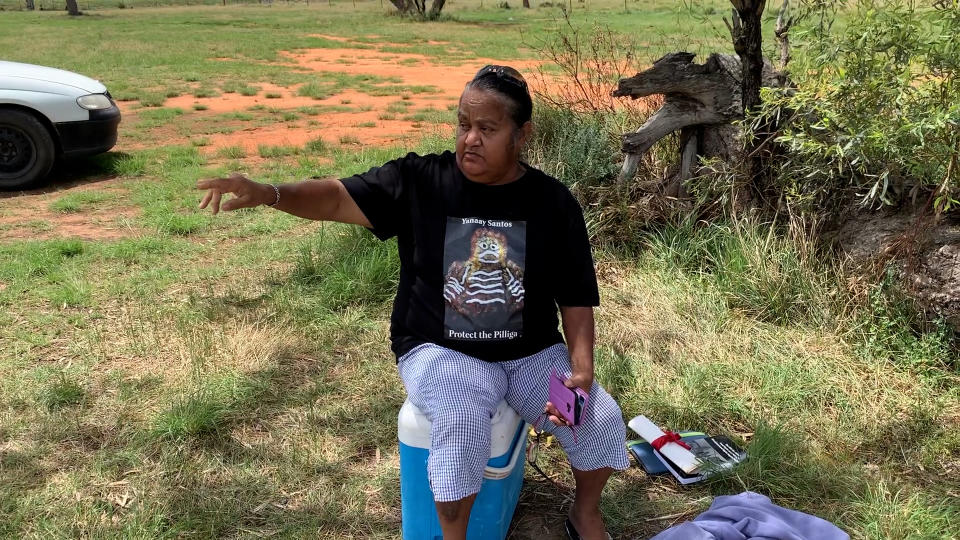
column 459, row 394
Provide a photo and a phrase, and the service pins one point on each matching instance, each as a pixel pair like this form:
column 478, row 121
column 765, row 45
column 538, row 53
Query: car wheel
column 27, row 150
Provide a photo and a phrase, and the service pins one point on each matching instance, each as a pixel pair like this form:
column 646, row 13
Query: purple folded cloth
column 752, row 516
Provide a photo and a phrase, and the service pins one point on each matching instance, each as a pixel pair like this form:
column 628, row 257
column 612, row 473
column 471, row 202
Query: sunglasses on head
column 506, row 73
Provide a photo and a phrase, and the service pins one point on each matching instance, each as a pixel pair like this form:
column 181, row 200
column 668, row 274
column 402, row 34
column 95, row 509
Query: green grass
column 79, row 201
column 147, row 59
column 398, row 107
column 238, row 87
column 130, row 164
column 205, row 93
column 231, row 376
column 148, row 99
column 232, row 152
column 432, row 116
column 363, row 271
column 62, row 392
column 275, row 151
column 236, row 115
column 317, row 146
column 151, row 118
column 315, row 91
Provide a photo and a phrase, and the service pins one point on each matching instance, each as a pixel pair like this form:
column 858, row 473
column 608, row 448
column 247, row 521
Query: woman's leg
column 599, row 448
column 459, row 395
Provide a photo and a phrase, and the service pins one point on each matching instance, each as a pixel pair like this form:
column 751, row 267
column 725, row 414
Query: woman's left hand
column 583, row 381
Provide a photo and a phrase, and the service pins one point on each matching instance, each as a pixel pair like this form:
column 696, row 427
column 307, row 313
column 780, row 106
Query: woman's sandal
column 572, row 531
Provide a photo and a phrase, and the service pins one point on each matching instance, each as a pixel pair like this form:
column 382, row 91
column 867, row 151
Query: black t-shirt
column 482, row 268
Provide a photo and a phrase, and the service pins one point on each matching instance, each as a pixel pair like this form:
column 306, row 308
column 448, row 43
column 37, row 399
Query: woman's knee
column 605, row 416
column 601, row 436
column 462, row 417
column 460, row 447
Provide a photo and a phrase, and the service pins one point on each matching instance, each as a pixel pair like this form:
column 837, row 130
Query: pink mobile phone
column 570, row 402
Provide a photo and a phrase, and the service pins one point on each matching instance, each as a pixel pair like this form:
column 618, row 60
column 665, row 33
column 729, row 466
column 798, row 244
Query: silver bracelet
column 277, row 191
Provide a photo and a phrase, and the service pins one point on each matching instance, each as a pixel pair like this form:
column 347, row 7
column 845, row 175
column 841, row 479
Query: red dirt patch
column 412, row 69
column 237, row 102
column 332, row 126
column 368, row 122
column 28, row 217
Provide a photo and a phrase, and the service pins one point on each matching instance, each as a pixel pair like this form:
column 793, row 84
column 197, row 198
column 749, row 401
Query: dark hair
column 507, row 82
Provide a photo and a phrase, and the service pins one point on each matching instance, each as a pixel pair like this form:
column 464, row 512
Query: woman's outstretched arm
column 326, row 200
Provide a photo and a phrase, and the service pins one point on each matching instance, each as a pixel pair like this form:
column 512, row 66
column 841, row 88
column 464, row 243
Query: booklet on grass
column 716, row 454
column 705, row 457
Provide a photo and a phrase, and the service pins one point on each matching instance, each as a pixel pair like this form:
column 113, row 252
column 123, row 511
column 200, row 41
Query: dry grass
column 300, row 438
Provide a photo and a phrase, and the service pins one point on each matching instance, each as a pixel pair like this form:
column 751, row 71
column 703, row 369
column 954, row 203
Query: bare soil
column 28, row 216
column 366, row 110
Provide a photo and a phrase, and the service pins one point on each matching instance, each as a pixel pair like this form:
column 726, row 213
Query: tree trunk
column 703, row 96
column 435, row 8
column 73, row 8
column 526, row 4
column 696, row 94
column 747, row 41
column 402, row 6
column 30, row 6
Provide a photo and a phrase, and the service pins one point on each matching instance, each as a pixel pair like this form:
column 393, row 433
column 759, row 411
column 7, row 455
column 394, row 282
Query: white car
column 46, row 114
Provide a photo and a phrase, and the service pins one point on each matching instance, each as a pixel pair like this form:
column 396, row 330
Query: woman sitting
column 489, row 248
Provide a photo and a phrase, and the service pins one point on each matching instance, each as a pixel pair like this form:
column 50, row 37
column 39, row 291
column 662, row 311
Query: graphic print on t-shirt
column 483, row 286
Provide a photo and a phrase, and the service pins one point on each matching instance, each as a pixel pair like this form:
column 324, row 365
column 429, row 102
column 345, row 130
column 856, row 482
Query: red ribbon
column 668, row 437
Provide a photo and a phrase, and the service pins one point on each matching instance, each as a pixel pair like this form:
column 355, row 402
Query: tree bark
column 782, row 33
column 526, row 4
column 706, row 93
column 72, row 8
column 747, row 41
column 700, row 101
column 435, row 8
column 402, row 6
column 30, row 6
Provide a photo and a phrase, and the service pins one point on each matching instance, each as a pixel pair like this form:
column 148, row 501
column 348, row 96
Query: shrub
column 574, row 149
column 891, row 326
column 875, row 112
